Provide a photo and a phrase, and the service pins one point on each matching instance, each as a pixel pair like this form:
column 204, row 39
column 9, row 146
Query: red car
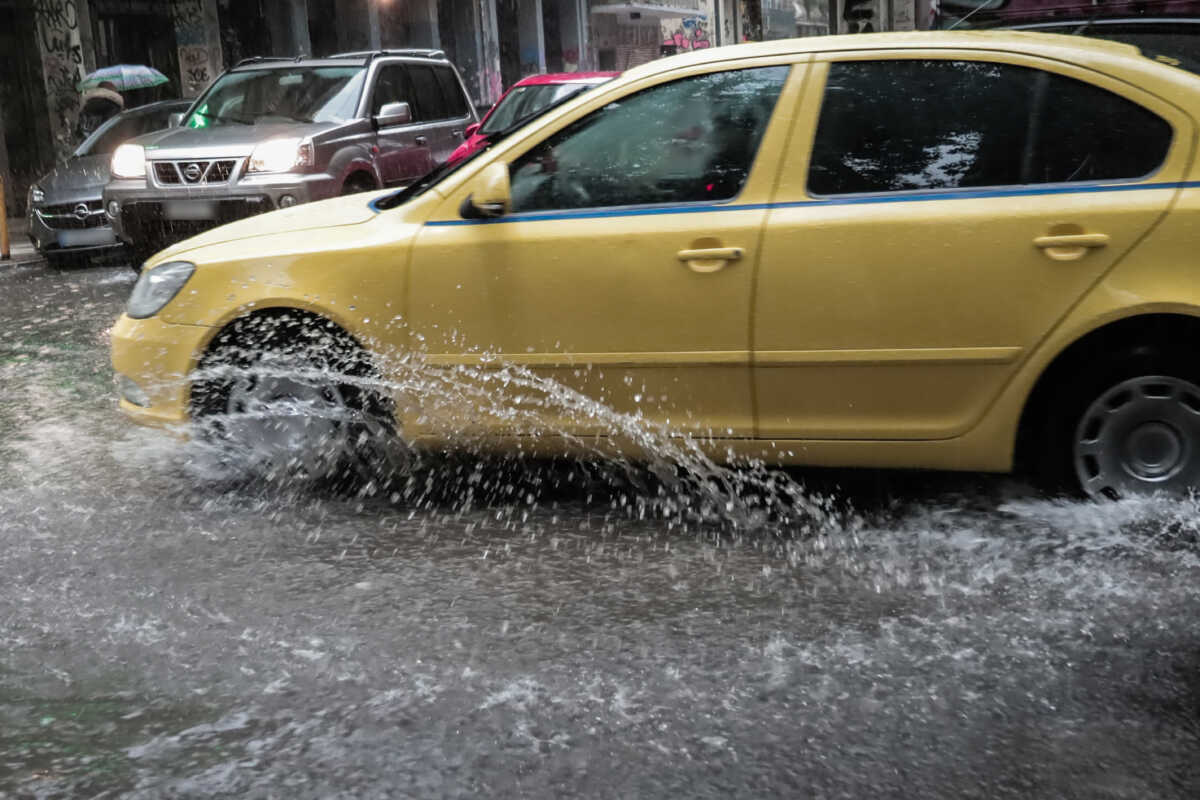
column 524, row 100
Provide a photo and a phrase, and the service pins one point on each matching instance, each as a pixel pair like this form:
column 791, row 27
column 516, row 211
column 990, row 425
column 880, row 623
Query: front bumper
column 158, row 358
column 61, row 233
column 145, row 214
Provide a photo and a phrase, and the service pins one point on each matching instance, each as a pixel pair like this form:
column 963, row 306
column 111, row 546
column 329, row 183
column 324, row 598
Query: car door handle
column 421, row 140
column 709, row 259
column 1070, row 246
column 457, row 134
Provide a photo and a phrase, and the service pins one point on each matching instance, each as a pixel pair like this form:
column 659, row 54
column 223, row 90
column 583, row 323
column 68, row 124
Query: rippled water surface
column 168, row 629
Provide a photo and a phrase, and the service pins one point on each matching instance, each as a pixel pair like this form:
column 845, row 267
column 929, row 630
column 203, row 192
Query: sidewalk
column 20, row 249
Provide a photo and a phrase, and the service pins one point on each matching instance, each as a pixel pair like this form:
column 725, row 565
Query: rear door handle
column 1070, row 246
column 457, row 134
column 421, row 140
column 709, row 259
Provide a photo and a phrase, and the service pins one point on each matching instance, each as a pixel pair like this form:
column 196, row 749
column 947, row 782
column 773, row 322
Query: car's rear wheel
column 1131, row 428
column 292, row 394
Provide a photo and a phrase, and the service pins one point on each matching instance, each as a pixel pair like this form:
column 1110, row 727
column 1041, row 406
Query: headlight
column 155, row 288
column 36, row 195
column 281, row 155
column 129, row 161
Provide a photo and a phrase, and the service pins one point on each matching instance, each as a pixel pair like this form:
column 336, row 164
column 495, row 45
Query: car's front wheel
column 291, row 394
column 1132, row 427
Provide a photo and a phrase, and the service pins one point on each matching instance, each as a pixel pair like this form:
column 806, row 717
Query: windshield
column 124, row 127
column 295, row 94
column 523, row 102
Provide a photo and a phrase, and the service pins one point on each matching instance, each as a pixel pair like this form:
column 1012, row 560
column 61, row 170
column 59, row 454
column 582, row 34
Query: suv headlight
column 281, row 155
column 36, row 195
column 129, row 161
column 155, row 288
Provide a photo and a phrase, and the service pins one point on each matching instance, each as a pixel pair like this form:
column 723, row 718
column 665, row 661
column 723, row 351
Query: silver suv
column 272, row 133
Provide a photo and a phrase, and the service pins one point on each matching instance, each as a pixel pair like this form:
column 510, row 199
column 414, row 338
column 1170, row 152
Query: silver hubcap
column 1140, row 436
column 288, row 415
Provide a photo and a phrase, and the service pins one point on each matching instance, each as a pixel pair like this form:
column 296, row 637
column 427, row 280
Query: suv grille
column 192, row 173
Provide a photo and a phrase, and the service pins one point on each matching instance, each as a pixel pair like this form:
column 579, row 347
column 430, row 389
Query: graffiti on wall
column 62, row 66
column 690, row 35
column 198, row 40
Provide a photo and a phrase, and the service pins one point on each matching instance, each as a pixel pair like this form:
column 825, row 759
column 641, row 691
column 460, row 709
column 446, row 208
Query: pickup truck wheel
column 357, row 183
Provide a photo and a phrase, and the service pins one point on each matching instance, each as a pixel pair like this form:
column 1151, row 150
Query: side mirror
column 491, row 196
column 393, row 114
column 471, row 130
column 175, row 119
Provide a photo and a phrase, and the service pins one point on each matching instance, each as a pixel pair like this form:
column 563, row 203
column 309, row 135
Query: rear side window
column 452, row 93
column 691, row 140
column 391, row 86
column 428, row 94
column 890, row 126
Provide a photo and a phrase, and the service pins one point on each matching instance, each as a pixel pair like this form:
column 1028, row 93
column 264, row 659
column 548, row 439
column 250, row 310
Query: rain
column 285, row 596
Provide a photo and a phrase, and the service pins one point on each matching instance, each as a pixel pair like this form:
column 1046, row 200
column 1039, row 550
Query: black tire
column 357, row 183
column 1125, row 427
column 313, row 356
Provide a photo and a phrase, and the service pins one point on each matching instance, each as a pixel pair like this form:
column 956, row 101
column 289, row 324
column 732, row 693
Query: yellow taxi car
column 943, row 250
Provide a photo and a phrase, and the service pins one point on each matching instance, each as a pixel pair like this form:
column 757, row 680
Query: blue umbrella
column 124, row 77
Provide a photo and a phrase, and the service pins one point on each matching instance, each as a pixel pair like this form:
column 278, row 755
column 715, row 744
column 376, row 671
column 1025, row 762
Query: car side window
column 901, row 125
column 391, row 86
column 691, row 140
column 452, row 93
column 430, row 106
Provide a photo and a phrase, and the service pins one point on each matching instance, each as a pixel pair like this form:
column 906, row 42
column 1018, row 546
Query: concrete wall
column 198, row 37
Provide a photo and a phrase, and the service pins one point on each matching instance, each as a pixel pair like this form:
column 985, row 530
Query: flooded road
column 169, row 631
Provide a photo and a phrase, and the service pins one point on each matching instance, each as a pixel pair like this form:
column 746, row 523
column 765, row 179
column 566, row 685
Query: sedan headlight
column 155, row 288
column 281, row 155
column 129, row 161
column 36, row 195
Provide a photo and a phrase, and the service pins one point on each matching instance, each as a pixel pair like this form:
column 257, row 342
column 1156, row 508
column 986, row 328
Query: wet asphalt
column 167, row 630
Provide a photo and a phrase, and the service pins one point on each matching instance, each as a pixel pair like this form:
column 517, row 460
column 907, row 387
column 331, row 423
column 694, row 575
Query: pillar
column 198, row 37
column 490, row 79
column 531, row 35
column 288, row 22
column 65, row 46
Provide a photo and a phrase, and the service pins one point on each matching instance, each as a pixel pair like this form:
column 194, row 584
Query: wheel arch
column 234, row 329
column 1165, row 329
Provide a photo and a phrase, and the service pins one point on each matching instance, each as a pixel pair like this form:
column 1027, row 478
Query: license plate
column 88, row 237
column 190, row 209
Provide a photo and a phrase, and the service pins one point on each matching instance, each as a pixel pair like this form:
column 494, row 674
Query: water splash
column 669, row 476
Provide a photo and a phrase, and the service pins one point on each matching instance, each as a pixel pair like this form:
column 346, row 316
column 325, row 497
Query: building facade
column 52, row 44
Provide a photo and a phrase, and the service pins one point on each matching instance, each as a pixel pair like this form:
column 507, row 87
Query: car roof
column 339, row 60
column 1048, row 44
column 566, row 77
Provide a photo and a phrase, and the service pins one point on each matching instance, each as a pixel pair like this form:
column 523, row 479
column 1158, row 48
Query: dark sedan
column 66, row 215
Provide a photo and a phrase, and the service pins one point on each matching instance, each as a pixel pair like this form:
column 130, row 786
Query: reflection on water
column 172, row 624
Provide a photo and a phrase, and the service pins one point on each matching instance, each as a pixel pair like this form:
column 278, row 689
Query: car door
column 400, row 155
column 937, row 214
column 624, row 269
column 458, row 111
column 438, row 124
